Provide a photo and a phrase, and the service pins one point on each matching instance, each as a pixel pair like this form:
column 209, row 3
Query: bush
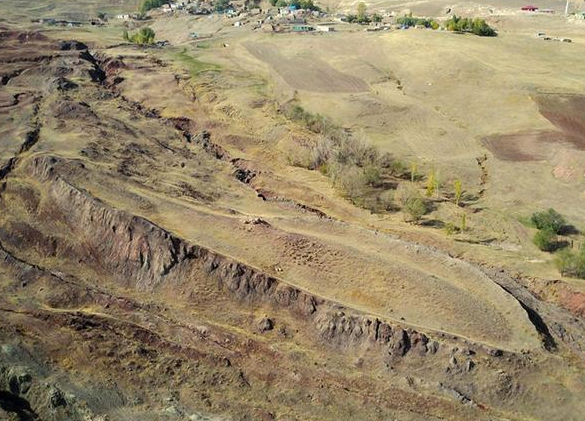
column 571, row 264
column 549, row 220
column 546, row 240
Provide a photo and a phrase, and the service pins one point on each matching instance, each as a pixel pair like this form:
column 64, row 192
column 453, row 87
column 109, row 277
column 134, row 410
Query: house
column 324, row 28
column 124, row 16
column 302, row 28
column 529, row 8
column 238, row 23
column 550, row 11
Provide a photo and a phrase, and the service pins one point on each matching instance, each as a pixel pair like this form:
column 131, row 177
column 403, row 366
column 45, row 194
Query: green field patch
column 195, row 65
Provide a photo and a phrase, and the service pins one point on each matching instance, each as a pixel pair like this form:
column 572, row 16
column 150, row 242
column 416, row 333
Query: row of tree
column 298, row 4
column 474, row 26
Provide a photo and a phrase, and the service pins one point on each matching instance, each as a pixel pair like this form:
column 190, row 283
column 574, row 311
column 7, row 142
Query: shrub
column 570, row 263
column 549, row 220
column 416, row 208
column 546, row 240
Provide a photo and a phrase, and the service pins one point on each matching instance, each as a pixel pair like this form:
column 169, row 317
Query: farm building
column 324, row 28
column 529, row 8
column 302, row 28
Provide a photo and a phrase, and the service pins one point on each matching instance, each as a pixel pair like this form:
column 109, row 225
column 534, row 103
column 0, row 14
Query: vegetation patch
column 194, row 65
column 409, row 21
column 475, row 26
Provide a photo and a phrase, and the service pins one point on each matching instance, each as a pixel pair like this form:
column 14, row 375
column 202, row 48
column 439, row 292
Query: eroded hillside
column 160, row 260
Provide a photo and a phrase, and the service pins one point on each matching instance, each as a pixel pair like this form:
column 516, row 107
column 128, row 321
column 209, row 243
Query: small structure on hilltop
column 529, row 8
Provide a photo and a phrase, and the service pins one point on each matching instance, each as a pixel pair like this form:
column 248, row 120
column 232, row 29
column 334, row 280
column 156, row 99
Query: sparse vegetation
column 475, row 26
column 195, row 66
column 145, row 36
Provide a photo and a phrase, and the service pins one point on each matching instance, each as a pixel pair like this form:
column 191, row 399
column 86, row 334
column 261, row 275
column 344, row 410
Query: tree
column 376, row 18
column 463, row 222
column 361, row 15
column 550, row 219
column 281, row 3
column 295, row 3
column 145, row 36
column 432, row 184
column 273, row 2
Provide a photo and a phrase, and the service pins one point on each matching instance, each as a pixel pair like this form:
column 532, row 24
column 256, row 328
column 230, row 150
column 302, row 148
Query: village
column 282, row 17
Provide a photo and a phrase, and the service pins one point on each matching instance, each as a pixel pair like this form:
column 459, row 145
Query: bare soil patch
column 307, row 73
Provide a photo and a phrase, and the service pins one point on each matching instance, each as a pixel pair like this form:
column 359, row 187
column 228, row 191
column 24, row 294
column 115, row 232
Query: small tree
column 432, row 184
column 457, row 188
column 362, row 17
column 463, row 222
column 413, row 174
